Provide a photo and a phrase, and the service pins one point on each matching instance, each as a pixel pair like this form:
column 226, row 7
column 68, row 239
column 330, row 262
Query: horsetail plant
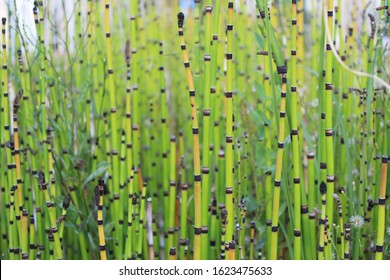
column 229, row 169
column 99, row 192
column 195, row 135
column 288, row 165
column 381, row 210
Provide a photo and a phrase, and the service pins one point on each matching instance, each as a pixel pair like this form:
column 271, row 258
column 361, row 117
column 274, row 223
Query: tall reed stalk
column 195, row 135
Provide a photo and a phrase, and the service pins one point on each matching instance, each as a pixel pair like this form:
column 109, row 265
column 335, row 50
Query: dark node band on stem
column 323, row 188
column 281, row 69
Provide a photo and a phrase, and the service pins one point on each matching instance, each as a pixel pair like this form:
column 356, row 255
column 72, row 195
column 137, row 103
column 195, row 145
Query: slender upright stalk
column 328, row 119
column 229, row 130
column 381, row 211
column 341, row 234
column 99, row 193
column 23, row 234
column 322, row 221
column 129, row 236
column 224, row 214
column 129, row 142
column 141, row 224
column 114, row 131
column 164, row 133
column 197, row 44
column 183, row 237
column 279, row 161
column 252, row 241
column 134, row 14
column 172, row 194
column 294, row 136
column 32, row 240
column 51, row 210
column 206, row 178
column 347, row 239
column 195, row 135
column 232, row 250
column 149, row 226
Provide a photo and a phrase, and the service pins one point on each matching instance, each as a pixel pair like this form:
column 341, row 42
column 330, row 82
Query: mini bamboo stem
column 61, row 220
column 330, row 177
column 172, row 195
column 322, row 221
column 114, row 131
column 341, row 227
column 252, row 241
column 134, row 15
column 197, row 45
column 232, row 250
column 213, row 230
column 381, row 211
column 295, row 140
column 122, row 186
column 164, row 132
column 99, row 193
column 278, row 172
column 129, row 236
column 183, row 232
column 32, row 239
column 149, row 226
column 195, row 133
column 223, row 232
column 229, row 186
column 347, row 254
column 206, row 178
column 51, row 211
column 141, row 223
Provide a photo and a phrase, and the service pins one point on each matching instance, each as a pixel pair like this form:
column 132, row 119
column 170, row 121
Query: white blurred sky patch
column 24, row 13
column 23, row 10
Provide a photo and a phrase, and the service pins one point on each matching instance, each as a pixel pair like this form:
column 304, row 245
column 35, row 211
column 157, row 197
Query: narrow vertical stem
column 197, row 45
column 51, row 211
column 252, row 241
column 328, row 118
column 206, row 178
column 32, row 239
column 172, row 194
column 99, row 192
column 149, row 226
column 224, row 214
column 195, row 134
column 232, row 250
column 311, row 182
column 229, row 189
column 341, row 232
column 129, row 236
column 141, row 223
column 113, row 129
column 322, row 221
column 294, row 136
column 164, row 134
column 279, row 162
column 347, row 239
column 381, row 211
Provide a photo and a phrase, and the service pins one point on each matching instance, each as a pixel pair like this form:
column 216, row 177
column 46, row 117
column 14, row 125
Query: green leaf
column 98, row 172
column 259, row 40
column 261, row 92
column 252, row 203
